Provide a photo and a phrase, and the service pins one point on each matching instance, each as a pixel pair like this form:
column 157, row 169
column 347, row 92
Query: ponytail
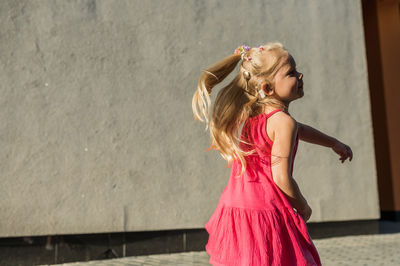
column 227, row 110
column 207, row 81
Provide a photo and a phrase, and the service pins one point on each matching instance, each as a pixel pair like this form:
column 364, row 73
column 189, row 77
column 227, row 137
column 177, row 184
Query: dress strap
column 274, row 111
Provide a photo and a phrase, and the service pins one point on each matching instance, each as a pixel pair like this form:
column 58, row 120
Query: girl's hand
column 306, row 213
column 343, row 150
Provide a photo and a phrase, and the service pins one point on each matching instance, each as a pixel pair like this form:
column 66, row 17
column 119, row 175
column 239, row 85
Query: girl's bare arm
column 285, row 135
column 311, row 135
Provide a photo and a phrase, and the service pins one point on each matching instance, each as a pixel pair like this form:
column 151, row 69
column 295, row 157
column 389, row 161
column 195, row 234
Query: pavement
column 360, row 250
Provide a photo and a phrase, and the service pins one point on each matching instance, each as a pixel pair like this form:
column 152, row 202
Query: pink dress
column 254, row 224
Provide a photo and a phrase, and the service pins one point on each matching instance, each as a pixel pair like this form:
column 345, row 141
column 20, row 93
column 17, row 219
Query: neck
column 283, row 105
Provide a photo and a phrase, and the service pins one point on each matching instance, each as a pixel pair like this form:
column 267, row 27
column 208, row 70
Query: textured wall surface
column 97, row 132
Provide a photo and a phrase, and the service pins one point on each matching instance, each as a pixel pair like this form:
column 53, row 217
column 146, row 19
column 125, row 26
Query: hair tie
column 242, row 49
column 261, row 92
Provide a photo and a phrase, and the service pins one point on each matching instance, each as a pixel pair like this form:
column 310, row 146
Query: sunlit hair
column 233, row 105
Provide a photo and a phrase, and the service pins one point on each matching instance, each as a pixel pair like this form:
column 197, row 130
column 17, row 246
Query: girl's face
column 288, row 82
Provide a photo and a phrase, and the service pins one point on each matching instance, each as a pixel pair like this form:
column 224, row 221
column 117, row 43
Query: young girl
column 261, row 216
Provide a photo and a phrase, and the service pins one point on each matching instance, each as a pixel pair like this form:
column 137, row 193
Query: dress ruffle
column 258, row 237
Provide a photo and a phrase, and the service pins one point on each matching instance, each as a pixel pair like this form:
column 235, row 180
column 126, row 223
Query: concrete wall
column 97, row 131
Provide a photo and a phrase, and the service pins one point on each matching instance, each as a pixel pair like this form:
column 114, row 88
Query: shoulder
column 283, row 121
column 282, row 125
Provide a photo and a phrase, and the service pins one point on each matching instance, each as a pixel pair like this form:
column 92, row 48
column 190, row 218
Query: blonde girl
column 261, row 215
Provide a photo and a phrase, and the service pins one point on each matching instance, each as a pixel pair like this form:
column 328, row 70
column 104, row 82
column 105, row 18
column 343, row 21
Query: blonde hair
column 239, row 99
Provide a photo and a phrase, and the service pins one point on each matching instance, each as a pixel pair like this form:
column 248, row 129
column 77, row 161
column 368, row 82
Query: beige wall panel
column 97, row 132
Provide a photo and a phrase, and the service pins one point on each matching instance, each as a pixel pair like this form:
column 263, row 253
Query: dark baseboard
column 86, row 247
column 390, row 215
column 343, row 228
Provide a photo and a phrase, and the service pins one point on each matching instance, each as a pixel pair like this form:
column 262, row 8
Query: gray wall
column 97, row 131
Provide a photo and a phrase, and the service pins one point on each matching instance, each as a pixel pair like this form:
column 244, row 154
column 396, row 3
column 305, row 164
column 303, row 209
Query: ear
column 266, row 87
